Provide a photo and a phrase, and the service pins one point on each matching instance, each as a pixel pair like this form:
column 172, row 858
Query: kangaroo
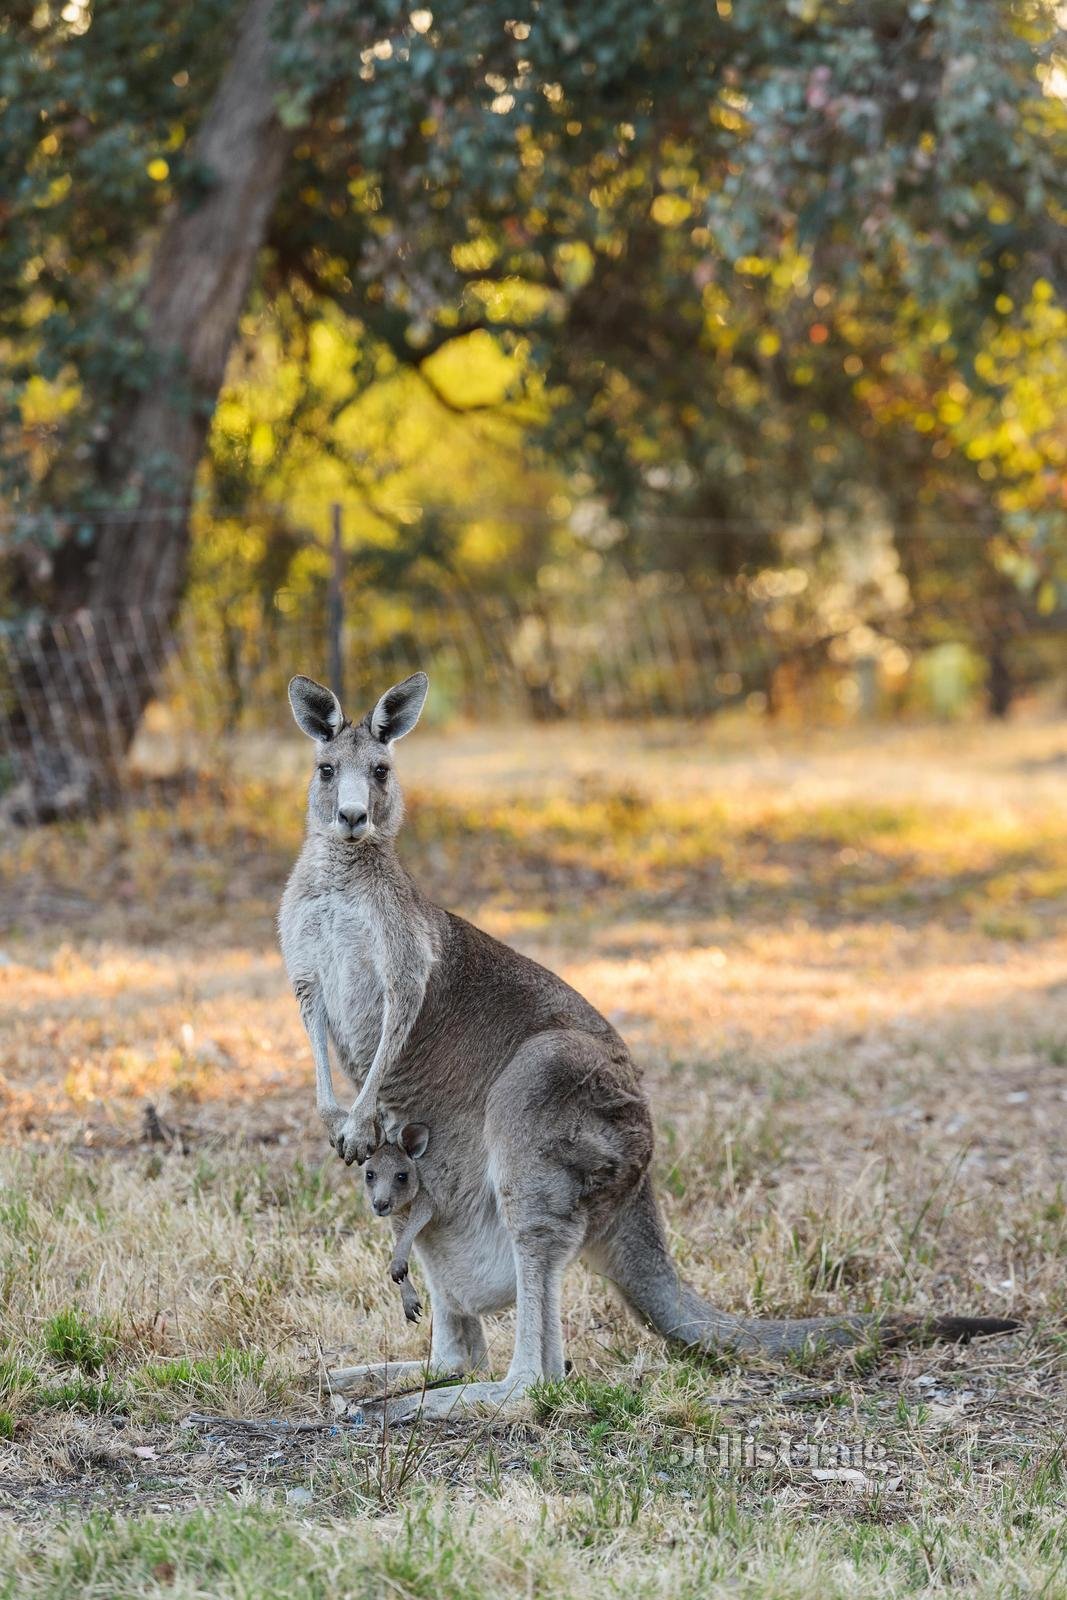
column 395, row 1191
column 542, row 1132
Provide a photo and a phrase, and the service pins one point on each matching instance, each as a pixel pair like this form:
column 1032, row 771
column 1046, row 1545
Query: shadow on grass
column 211, row 870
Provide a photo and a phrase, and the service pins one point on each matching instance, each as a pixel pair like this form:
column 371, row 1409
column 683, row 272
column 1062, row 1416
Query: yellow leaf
column 670, row 209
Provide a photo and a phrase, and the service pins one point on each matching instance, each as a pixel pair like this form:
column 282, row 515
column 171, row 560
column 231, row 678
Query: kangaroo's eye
column 381, row 772
column 370, row 1176
column 325, row 772
column 401, row 1177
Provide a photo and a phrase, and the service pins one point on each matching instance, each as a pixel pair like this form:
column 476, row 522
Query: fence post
column 335, row 608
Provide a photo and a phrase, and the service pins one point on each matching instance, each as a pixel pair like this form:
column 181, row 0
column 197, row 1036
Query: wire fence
column 78, row 693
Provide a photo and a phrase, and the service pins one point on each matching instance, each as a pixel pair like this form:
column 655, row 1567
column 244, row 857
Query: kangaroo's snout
column 353, row 820
column 382, row 1207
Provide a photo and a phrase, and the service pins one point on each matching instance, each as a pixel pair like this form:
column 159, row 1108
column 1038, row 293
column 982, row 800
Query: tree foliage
column 741, row 262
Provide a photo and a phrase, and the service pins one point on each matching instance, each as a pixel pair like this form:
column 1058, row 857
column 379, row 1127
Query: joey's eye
column 370, row 1175
column 381, row 772
column 401, row 1177
column 325, row 772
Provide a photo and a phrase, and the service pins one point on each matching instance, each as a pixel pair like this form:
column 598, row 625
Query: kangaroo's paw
column 357, row 1136
column 455, row 1401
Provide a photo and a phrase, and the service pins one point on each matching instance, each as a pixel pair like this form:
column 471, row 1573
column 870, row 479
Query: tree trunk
column 129, row 580
column 999, row 686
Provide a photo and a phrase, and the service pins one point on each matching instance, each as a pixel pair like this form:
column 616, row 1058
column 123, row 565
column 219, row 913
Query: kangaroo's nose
column 352, row 816
column 381, row 1207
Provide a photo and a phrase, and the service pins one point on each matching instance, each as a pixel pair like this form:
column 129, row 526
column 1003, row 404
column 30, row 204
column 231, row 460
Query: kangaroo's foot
column 381, row 1377
column 456, row 1401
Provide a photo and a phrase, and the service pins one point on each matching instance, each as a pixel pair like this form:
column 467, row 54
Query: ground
column 840, row 960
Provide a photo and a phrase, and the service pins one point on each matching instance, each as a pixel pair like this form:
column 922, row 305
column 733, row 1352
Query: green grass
column 80, row 1394
column 16, row 1379
column 202, row 1374
column 607, row 1405
column 78, row 1340
column 199, row 1379
column 607, row 1542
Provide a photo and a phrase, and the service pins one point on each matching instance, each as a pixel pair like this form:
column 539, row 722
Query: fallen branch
column 262, row 1425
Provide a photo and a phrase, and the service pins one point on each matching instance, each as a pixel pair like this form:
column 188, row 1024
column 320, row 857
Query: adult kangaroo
column 541, row 1133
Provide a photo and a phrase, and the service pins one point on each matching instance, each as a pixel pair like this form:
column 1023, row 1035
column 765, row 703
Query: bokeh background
column 614, row 363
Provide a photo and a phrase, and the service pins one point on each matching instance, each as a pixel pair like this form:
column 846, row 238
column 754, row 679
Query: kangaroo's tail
column 633, row 1255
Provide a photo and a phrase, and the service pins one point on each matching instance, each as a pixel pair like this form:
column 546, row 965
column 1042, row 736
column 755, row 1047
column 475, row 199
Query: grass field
column 841, row 961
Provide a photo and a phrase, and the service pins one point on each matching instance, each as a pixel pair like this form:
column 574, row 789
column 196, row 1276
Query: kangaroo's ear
column 317, row 709
column 413, row 1139
column 398, row 710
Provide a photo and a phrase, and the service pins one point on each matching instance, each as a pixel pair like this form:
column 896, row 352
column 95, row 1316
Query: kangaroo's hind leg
column 561, row 1149
column 541, row 1256
column 457, row 1346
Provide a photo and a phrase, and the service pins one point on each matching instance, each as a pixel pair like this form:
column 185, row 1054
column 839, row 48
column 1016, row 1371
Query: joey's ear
column 398, row 710
column 413, row 1139
column 317, row 709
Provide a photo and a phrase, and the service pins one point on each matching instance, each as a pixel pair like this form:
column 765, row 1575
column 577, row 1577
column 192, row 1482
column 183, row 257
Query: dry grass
column 841, row 962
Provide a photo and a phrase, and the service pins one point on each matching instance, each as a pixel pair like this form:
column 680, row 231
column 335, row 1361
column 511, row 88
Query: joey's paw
column 398, row 1270
column 356, row 1138
column 413, row 1309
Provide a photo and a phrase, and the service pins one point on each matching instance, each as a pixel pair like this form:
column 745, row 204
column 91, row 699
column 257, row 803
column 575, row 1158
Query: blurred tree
column 122, row 338
column 665, row 210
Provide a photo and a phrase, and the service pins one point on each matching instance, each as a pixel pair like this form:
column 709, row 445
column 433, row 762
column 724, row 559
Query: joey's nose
column 381, row 1207
column 354, row 818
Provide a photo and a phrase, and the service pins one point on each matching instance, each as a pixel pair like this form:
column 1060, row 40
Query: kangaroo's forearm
column 398, row 1018
column 313, row 1016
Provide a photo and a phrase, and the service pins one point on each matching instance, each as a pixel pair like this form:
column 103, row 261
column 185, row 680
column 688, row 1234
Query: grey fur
column 396, row 1191
column 542, row 1134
